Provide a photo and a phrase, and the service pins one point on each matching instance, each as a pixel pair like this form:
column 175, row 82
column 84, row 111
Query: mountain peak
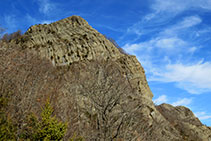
column 76, row 20
column 92, row 61
column 69, row 40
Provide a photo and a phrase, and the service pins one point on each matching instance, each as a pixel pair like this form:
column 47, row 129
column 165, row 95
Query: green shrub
column 7, row 127
column 48, row 128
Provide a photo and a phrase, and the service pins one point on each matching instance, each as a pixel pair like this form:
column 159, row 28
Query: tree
column 48, row 128
column 8, row 37
column 7, row 127
column 102, row 101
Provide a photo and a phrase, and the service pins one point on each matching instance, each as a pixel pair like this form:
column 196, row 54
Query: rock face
column 185, row 122
column 72, row 41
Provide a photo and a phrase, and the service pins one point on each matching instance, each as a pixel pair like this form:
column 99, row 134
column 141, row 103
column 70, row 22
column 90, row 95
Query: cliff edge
column 101, row 91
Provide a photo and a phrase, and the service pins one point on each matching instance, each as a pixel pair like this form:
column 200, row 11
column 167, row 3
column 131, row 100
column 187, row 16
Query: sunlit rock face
column 71, row 46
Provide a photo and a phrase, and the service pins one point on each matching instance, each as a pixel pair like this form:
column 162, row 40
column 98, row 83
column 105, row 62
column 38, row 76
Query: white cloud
column 164, row 11
column 46, row 22
column 202, row 115
column 181, row 26
column 170, row 43
column 192, row 88
column 189, row 22
column 46, row 6
column 156, row 58
column 193, row 49
column 160, row 99
column 167, row 58
column 169, row 6
column 166, row 45
column 170, row 55
column 169, row 36
column 182, row 102
column 194, row 78
column 132, row 48
column 177, row 6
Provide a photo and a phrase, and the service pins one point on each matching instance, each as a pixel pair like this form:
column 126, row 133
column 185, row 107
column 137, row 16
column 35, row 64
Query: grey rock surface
column 72, row 40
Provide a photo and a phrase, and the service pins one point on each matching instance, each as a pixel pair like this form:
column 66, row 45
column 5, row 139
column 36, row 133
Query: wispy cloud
column 46, row 6
column 177, row 6
column 193, row 78
column 189, row 22
column 169, row 56
column 185, row 24
column 182, row 102
column 161, row 99
column 46, row 22
column 163, row 12
column 165, row 99
column 203, row 115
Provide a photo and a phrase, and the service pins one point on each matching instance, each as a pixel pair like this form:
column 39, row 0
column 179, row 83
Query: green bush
column 48, row 128
column 7, row 127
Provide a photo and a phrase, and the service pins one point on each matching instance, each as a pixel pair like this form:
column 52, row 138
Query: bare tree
column 29, row 79
column 8, row 37
column 103, row 100
column 94, row 97
column 121, row 50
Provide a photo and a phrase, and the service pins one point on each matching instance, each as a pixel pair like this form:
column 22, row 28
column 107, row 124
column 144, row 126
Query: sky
column 170, row 38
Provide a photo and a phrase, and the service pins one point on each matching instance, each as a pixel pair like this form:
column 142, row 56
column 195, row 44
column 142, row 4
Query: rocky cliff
column 101, row 91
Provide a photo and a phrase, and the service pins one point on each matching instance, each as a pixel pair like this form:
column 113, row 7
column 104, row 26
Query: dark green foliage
column 7, row 127
column 48, row 128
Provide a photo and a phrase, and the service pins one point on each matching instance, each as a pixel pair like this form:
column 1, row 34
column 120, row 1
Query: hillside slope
column 101, row 92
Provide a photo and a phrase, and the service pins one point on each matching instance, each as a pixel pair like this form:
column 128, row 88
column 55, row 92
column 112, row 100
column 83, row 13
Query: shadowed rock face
column 72, row 42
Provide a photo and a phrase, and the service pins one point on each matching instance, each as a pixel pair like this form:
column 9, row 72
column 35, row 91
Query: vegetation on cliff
column 88, row 82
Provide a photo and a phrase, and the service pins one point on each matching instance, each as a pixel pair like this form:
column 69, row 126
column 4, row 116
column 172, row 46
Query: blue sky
column 171, row 39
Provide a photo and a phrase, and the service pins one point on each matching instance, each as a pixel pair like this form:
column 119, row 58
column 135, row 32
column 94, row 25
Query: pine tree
column 7, row 127
column 48, row 128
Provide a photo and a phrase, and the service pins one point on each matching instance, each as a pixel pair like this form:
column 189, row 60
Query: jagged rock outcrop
column 185, row 122
column 74, row 47
column 72, row 40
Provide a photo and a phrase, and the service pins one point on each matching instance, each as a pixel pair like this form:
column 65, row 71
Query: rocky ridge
column 72, row 40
